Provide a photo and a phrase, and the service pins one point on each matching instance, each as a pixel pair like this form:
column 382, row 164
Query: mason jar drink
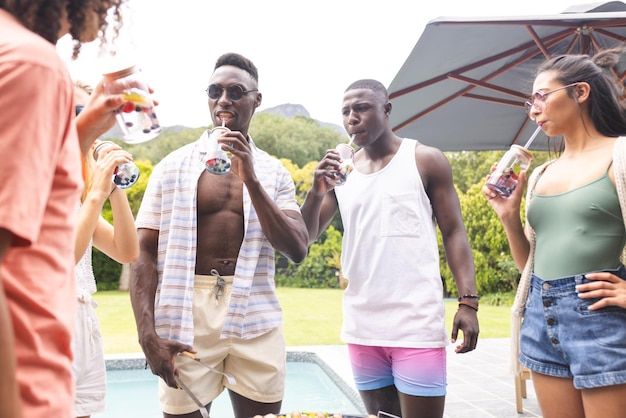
column 346, row 152
column 137, row 118
column 504, row 179
column 217, row 160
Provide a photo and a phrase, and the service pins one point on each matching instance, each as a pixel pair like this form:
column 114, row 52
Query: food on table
column 298, row 414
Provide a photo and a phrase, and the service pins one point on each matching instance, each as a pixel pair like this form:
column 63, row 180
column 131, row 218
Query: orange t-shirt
column 41, row 182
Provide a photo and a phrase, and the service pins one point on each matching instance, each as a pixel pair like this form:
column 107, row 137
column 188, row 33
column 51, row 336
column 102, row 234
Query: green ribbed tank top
column 578, row 231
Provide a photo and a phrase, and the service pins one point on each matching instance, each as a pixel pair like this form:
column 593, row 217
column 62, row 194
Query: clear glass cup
column 126, row 174
column 137, row 118
column 346, row 165
column 217, row 160
column 504, row 178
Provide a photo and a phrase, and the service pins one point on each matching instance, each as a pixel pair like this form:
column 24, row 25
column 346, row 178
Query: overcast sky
column 307, row 52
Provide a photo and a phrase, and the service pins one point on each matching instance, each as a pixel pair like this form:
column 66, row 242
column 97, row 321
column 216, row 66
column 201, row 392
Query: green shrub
column 320, row 269
column 106, row 270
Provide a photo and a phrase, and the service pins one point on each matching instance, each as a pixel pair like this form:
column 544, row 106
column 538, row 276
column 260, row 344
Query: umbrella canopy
column 464, row 85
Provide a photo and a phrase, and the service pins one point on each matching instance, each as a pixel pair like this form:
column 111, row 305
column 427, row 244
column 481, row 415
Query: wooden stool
column 520, row 388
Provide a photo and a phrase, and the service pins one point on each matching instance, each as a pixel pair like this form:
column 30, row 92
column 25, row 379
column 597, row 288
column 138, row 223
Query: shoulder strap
column 534, row 178
column 619, row 169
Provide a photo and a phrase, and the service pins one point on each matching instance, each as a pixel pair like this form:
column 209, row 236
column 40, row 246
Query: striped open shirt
column 169, row 206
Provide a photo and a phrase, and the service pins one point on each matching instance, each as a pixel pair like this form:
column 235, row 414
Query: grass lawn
column 312, row 317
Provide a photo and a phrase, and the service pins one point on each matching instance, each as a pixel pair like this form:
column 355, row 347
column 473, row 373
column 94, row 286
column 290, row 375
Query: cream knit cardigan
column 619, row 168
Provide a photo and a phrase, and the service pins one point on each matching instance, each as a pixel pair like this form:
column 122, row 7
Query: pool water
column 134, row 393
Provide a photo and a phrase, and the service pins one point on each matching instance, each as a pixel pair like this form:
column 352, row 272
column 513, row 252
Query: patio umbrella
column 464, row 85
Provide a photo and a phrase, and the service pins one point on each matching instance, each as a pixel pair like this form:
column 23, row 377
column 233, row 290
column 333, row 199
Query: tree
column 299, row 139
column 495, row 270
column 169, row 140
column 320, row 269
column 471, row 167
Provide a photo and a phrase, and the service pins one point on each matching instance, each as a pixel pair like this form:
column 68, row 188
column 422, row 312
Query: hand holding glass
column 346, row 153
column 217, row 160
column 126, row 174
column 136, row 119
column 504, row 179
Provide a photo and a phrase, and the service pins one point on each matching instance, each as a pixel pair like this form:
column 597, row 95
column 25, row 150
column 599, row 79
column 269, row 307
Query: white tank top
column 390, row 256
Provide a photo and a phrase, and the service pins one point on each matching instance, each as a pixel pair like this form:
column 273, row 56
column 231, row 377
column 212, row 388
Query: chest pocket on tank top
column 399, row 217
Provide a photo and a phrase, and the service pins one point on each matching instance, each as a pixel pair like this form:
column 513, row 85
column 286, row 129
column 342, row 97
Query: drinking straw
column 532, row 137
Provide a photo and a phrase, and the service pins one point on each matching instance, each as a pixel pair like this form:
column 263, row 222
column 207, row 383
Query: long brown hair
column 606, row 105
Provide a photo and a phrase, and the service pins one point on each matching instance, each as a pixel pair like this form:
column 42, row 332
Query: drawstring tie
column 218, row 290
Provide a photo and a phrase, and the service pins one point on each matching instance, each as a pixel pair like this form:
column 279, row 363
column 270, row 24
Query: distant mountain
column 290, row 110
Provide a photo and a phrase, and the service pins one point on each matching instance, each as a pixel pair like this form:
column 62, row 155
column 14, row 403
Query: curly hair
column 44, row 17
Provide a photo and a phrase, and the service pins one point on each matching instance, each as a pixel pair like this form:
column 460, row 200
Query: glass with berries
column 125, row 174
column 504, row 178
column 346, row 164
column 217, row 159
column 137, row 118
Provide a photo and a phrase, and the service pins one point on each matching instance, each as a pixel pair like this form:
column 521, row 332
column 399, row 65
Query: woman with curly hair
column 41, row 173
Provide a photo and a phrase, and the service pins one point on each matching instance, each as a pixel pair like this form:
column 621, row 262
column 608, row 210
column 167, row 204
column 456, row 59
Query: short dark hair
column 238, row 60
column 369, row 84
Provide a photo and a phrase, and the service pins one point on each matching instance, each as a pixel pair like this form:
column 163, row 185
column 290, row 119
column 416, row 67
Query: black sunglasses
column 235, row 92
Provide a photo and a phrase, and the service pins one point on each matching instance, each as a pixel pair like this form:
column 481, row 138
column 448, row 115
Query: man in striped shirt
column 204, row 281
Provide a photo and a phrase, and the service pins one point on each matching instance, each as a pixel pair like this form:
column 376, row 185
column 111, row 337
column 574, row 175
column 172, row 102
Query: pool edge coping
column 134, row 361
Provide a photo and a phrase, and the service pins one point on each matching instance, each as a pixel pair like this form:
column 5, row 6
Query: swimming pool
column 311, row 386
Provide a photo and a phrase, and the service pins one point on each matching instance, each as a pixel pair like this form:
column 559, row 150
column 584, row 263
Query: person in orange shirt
column 41, row 173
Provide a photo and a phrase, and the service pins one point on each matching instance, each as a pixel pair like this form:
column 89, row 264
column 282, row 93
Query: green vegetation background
column 310, row 291
column 300, row 142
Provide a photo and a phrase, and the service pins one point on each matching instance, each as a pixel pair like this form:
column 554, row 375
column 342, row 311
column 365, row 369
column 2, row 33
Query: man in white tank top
column 393, row 311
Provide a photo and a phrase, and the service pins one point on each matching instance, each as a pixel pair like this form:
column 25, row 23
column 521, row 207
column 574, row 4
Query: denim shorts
column 561, row 337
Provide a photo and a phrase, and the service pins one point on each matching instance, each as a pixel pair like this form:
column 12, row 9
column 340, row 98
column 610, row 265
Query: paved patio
column 479, row 383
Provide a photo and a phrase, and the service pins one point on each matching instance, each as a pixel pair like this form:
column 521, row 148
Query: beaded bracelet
column 469, row 297
column 470, row 304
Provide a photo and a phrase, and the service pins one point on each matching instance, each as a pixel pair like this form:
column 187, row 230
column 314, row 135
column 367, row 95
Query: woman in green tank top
column 572, row 293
